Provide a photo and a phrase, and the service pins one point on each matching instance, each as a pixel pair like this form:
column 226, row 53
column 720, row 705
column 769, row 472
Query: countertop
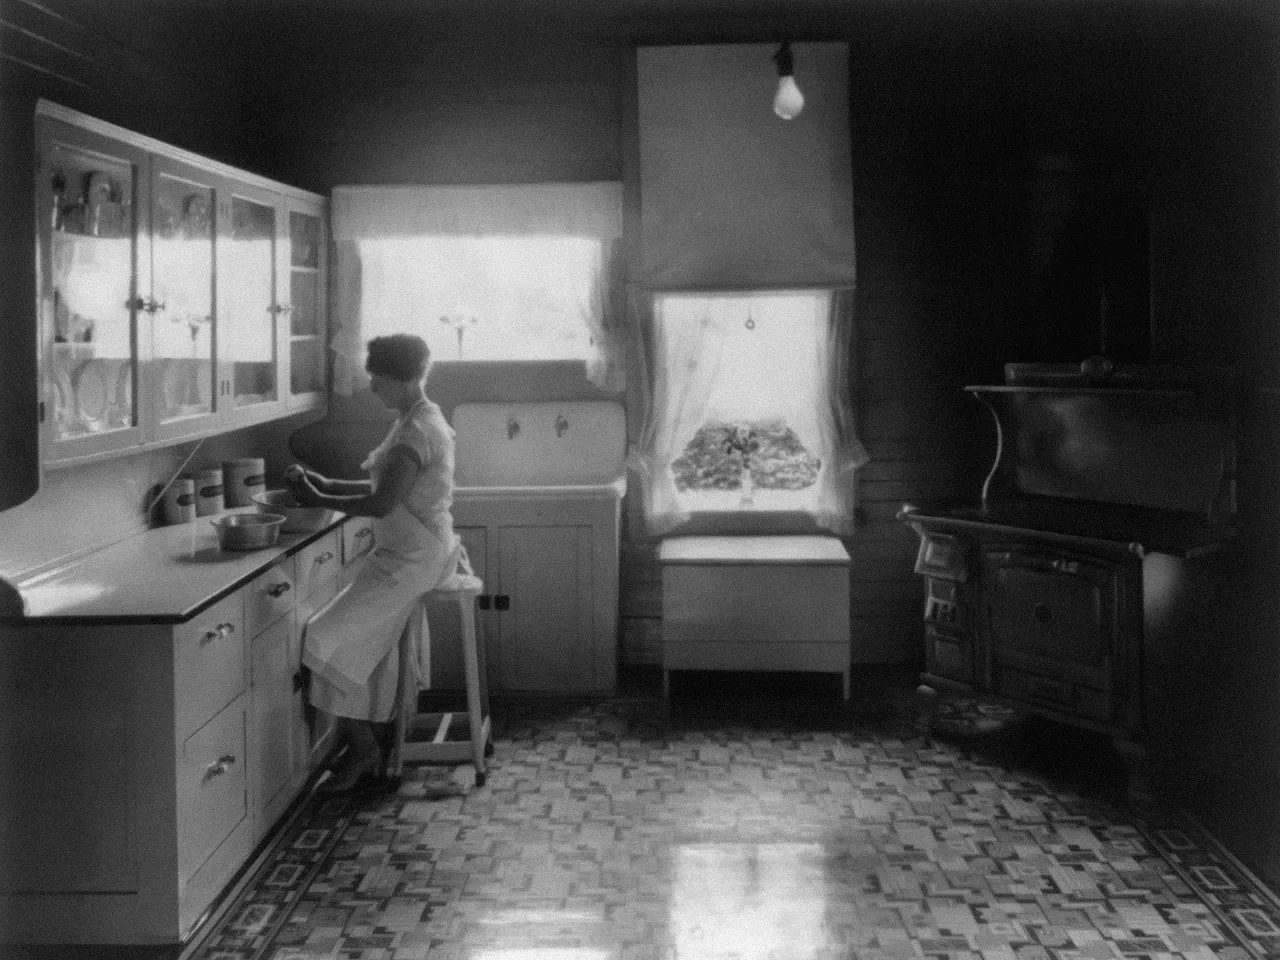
column 161, row 575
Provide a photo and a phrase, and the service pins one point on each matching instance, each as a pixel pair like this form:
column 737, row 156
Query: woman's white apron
column 351, row 645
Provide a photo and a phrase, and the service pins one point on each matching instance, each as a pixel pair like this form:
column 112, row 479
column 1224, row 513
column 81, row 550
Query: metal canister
column 209, row 495
column 241, row 479
column 180, row 501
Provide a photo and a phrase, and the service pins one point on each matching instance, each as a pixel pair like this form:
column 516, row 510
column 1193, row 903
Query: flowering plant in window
column 765, row 453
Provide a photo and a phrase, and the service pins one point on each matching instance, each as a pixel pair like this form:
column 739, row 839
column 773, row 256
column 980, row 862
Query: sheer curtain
column 734, row 199
column 685, row 366
column 705, row 367
column 837, row 493
column 562, row 269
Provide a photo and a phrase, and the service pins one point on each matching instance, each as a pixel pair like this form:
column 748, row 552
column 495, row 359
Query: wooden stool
column 444, row 738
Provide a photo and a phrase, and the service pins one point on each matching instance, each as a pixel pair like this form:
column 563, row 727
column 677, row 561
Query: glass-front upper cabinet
column 307, row 326
column 177, row 297
column 182, row 302
column 90, row 275
column 251, row 311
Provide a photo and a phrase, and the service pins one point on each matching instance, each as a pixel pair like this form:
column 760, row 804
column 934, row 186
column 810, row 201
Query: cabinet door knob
column 221, row 630
column 219, row 767
column 278, row 590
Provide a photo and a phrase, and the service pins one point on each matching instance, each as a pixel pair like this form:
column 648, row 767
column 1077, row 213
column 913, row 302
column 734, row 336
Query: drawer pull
column 219, row 767
column 221, row 630
column 323, row 558
column 278, row 590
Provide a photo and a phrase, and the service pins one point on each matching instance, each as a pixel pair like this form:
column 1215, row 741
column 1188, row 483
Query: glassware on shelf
column 91, row 264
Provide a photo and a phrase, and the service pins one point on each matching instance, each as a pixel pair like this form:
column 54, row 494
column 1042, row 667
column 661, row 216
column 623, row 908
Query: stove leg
column 1137, row 761
column 926, row 709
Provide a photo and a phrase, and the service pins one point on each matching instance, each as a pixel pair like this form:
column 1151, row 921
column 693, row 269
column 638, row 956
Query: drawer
column 211, row 787
column 269, row 597
column 208, row 666
column 1061, row 695
column 317, row 563
column 357, row 539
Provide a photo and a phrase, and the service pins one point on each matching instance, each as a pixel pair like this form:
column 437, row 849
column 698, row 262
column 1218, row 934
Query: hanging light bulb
column 788, row 101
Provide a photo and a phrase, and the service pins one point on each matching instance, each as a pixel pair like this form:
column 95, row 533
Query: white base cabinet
column 549, row 612
column 143, row 762
column 755, row 603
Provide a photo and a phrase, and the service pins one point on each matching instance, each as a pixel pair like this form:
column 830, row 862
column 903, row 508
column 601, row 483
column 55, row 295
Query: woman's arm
column 326, row 485
column 346, row 488
column 399, row 472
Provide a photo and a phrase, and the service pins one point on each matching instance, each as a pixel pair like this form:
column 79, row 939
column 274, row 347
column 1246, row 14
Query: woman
column 352, row 645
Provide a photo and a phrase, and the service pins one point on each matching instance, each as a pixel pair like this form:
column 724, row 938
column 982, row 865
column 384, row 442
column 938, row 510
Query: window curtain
column 731, row 196
column 683, row 366
column 837, row 497
column 734, row 198
column 360, row 213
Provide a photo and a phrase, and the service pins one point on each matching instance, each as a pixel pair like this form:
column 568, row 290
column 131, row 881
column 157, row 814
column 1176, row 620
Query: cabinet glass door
column 248, row 340
column 181, row 302
column 89, row 288
column 306, row 319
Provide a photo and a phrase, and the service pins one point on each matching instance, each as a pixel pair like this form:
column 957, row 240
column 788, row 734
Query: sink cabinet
column 145, row 759
column 178, row 297
column 550, row 607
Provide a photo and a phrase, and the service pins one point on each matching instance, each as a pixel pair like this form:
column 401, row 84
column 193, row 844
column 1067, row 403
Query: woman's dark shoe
column 356, row 777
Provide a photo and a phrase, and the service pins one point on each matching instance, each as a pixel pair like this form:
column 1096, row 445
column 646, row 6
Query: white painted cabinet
column 543, row 580
column 144, row 760
column 773, row 603
column 271, row 747
column 178, row 297
column 550, row 607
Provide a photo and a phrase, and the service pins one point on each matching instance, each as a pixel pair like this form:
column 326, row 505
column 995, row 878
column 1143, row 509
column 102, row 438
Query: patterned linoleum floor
column 748, row 827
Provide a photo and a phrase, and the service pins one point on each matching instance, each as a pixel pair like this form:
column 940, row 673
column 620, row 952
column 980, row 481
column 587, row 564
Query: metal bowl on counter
column 297, row 518
column 248, row 531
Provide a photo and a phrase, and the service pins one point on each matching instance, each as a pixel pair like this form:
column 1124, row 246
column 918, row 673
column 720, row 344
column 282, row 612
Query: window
column 744, row 396
column 494, row 272
column 485, row 297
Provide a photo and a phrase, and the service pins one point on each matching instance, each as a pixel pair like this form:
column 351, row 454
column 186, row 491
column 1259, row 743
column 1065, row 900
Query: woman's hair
column 400, row 356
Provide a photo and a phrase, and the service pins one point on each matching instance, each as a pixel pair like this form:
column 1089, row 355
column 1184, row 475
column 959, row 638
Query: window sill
column 747, row 523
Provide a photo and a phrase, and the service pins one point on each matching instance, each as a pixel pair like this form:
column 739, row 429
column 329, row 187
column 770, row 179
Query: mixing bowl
column 247, row 531
column 297, row 518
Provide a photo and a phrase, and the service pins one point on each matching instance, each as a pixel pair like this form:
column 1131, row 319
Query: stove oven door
column 1051, row 619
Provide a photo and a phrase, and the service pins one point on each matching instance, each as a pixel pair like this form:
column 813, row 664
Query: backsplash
column 82, row 509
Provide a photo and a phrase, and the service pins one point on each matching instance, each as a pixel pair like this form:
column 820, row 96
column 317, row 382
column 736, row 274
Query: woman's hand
column 301, row 484
column 306, row 494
